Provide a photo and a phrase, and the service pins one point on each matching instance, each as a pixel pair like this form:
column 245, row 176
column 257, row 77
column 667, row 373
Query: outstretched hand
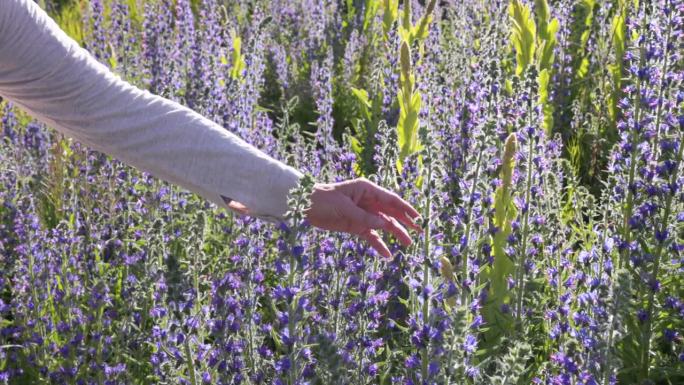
column 361, row 207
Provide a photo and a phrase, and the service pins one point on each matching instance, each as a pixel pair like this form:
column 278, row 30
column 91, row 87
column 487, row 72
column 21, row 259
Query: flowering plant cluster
column 541, row 141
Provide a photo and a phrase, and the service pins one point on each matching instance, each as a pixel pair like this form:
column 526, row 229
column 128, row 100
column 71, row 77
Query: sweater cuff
column 270, row 203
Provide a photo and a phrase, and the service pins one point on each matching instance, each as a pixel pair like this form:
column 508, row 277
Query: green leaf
column 543, row 82
column 356, row 146
column 238, row 59
column 372, row 7
column 421, row 31
column 547, row 108
column 70, row 20
column 505, row 212
column 112, row 62
column 522, row 34
column 547, row 45
column 409, row 107
column 351, row 12
column 416, row 102
column 405, row 59
column 406, row 19
column 583, row 68
column 618, row 30
column 390, row 14
column 362, row 96
column 541, row 8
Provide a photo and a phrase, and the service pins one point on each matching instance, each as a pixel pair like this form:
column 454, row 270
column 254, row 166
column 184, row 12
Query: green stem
column 426, row 256
column 339, row 300
column 290, row 321
column 471, row 204
column 662, row 83
column 626, row 232
column 191, row 362
column 250, row 323
column 520, row 285
column 362, row 323
column 98, row 353
column 646, row 338
column 627, row 213
column 646, row 341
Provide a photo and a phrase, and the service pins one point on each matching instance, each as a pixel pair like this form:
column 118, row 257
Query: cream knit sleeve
column 46, row 73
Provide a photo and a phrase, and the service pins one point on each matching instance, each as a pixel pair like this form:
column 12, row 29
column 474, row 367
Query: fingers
column 394, row 227
column 366, row 223
column 393, row 201
column 401, row 216
column 238, row 207
column 370, row 207
column 376, row 242
column 360, row 219
column 392, row 204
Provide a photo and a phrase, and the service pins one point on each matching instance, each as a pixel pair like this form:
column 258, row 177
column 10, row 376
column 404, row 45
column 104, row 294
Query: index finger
column 394, row 205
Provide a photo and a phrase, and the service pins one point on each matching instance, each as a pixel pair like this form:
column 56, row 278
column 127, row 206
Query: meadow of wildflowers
column 541, row 141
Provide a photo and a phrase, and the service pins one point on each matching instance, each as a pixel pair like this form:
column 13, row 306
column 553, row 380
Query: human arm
column 50, row 76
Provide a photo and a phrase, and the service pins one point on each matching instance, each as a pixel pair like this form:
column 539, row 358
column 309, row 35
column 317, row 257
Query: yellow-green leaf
column 522, row 35
column 362, row 96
